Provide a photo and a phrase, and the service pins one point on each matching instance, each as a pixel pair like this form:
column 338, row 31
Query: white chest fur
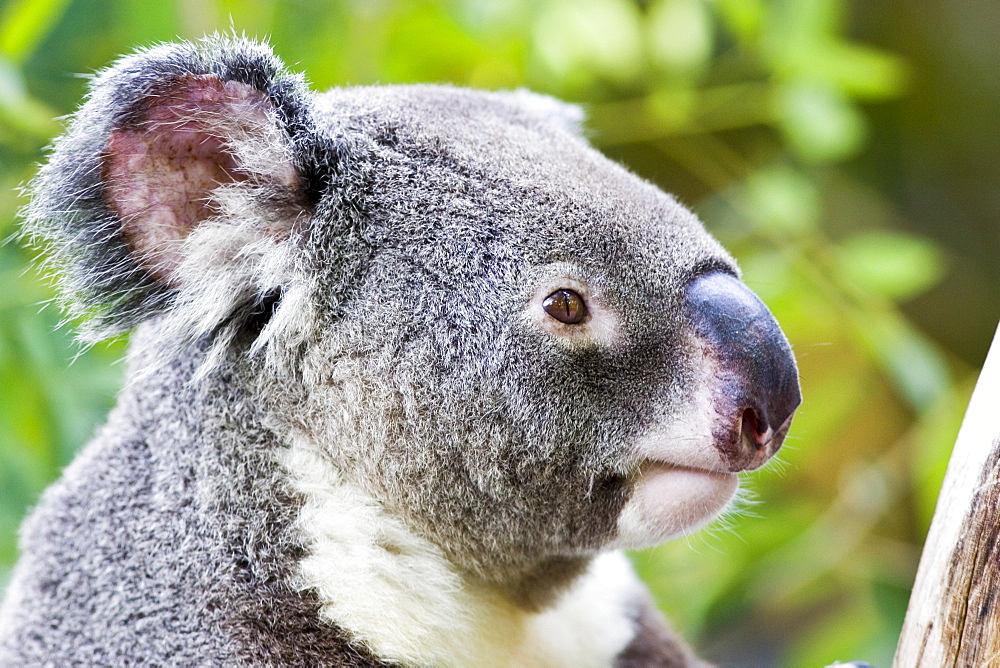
column 395, row 592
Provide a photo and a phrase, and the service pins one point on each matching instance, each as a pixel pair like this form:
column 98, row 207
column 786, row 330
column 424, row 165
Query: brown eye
column 565, row 306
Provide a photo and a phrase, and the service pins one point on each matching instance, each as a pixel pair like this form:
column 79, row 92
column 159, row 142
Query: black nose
column 754, row 381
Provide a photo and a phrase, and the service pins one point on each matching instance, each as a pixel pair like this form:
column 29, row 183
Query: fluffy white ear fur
column 227, row 265
column 394, row 591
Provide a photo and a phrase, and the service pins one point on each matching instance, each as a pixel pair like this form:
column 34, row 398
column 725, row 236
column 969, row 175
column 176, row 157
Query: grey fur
column 385, row 322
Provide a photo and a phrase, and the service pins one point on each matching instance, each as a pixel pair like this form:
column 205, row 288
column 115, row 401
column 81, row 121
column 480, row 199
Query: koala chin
column 410, row 367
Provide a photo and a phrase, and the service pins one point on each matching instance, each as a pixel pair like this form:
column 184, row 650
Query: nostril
column 755, row 430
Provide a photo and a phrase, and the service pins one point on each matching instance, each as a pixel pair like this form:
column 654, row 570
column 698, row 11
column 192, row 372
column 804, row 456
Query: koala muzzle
column 753, row 380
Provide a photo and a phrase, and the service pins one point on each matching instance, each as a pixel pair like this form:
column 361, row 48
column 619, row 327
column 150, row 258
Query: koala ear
column 170, row 139
column 164, row 161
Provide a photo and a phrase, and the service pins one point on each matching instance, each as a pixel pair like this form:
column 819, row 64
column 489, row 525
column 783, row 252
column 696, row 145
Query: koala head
column 516, row 346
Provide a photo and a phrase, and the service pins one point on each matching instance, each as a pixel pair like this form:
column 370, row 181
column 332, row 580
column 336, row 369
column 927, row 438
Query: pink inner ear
column 161, row 171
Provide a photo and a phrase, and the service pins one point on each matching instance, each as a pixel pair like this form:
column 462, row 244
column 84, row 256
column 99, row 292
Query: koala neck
column 541, row 586
column 397, row 593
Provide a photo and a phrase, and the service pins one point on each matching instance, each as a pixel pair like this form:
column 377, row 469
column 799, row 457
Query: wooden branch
column 954, row 618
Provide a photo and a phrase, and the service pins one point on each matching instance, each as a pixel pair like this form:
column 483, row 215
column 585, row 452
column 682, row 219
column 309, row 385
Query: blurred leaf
column 782, row 201
column 19, row 112
column 680, row 34
column 579, row 40
column 819, row 123
column 803, row 22
column 895, row 265
column 861, row 72
column 842, row 631
column 670, row 108
column 457, row 57
column 744, row 17
column 25, row 23
column 914, row 364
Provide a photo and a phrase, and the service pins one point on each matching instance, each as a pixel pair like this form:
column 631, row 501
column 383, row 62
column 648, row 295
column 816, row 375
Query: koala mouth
column 703, row 487
column 654, row 466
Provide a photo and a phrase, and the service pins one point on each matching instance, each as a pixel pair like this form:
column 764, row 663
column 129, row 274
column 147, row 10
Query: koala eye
column 566, row 306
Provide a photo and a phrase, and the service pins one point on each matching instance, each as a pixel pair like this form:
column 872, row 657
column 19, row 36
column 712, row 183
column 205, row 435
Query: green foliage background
column 837, row 148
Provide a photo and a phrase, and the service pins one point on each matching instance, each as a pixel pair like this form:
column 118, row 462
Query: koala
column 410, row 367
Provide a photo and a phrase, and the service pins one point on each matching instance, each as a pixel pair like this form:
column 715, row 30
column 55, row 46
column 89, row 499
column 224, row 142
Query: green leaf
column 26, row 23
column 744, row 17
column 819, row 123
column 850, row 625
column 680, row 34
column 891, row 264
column 862, row 72
column 914, row 364
column 796, row 26
column 18, row 110
column 577, row 40
column 782, row 201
